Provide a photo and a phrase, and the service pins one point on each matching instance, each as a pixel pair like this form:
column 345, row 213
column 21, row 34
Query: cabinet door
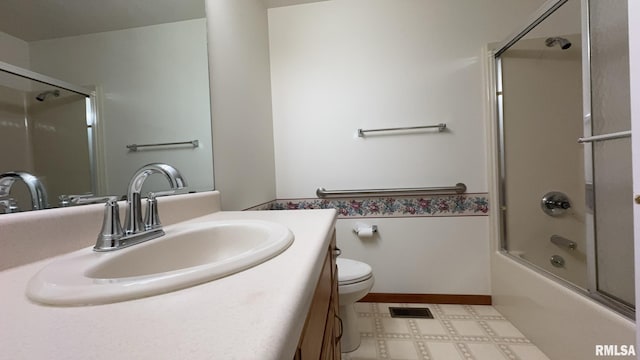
column 329, row 339
column 311, row 344
column 335, row 302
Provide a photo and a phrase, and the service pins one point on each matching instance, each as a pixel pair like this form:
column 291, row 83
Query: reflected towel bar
column 459, row 188
column 134, row 147
column 616, row 135
column 441, row 127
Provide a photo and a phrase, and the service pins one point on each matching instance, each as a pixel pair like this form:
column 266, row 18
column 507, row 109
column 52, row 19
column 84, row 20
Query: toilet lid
column 352, row 271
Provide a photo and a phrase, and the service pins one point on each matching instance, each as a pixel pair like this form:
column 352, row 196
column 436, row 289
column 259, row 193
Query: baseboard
column 428, row 298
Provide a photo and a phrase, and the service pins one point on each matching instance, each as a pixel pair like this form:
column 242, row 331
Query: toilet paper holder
column 365, row 228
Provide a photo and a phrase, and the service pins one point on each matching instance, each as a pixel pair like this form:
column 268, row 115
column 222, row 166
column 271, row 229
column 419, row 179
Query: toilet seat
column 352, row 271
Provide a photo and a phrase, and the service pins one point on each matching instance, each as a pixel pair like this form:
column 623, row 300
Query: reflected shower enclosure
column 565, row 153
column 44, row 130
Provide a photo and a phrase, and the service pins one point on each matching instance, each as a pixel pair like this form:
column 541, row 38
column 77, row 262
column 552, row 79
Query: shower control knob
column 555, row 203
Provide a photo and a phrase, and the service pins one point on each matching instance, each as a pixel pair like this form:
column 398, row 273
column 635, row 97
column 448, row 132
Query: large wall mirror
column 144, row 62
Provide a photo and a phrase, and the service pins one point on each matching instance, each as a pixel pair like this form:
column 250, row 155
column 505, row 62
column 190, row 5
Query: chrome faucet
column 133, row 221
column 36, row 189
column 112, row 236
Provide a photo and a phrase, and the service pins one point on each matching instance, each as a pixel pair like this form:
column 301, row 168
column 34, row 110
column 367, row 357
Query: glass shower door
column 612, row 178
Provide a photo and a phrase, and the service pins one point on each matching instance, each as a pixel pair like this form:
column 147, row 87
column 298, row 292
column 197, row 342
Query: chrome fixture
column 563, row 242
column 36, row 189
column 8, row 206
column 134, row 223
column 193, row 143
column 71, row 200
column 459, row 188
column 603, row 137
column 553, row 41
column 557, row 261
column 441, row 127
column 555, row 203
column 112, row 235
column 43, row 95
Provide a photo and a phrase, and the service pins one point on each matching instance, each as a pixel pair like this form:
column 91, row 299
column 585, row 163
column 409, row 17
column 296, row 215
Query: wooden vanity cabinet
column 323, row 327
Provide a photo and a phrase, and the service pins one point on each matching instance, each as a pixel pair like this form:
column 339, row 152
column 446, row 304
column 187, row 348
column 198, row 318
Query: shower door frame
column 591, row 256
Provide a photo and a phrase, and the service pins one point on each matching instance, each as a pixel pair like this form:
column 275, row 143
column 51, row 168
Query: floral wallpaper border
column 406, row 206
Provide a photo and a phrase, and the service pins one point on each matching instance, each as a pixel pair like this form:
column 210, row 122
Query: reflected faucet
column 36, row 189
column 112, row 236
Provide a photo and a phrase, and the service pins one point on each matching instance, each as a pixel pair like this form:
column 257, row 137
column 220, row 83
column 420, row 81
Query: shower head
column 43, row 95
column 552, row 41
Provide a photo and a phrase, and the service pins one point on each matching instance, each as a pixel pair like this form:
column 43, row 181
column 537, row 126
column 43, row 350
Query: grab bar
column 563, row 242
column 194, row 143
column 459, row 188
column 616, row 135
column 441, row 127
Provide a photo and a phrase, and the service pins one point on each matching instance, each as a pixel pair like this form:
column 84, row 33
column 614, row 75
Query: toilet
column 355, row 279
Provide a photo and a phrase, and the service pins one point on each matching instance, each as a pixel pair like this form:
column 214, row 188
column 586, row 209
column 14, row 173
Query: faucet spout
column 133, row 221
column 36, row 189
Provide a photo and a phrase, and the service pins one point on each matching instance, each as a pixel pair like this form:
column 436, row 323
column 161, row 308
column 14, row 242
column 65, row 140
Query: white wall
column 154, row 87
column 241, row 102
column 14, row 51
column 345, row 64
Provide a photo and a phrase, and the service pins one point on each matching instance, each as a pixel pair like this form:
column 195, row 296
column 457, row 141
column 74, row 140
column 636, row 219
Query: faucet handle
column 151, row 217
column 111, row 230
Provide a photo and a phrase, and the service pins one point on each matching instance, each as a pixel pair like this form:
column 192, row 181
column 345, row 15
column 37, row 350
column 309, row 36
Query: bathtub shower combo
column 562, row 93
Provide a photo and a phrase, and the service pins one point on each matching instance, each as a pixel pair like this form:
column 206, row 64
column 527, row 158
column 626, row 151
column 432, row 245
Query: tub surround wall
column 542, row 89
column 59, row 143
column 31, row 236
column 337, row 66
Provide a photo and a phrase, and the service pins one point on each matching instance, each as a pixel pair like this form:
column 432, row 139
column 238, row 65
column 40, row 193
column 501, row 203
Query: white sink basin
column 189, row 254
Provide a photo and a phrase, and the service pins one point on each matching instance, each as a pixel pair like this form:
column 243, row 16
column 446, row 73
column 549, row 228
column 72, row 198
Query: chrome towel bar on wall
column 459, row 188
column 441, row 127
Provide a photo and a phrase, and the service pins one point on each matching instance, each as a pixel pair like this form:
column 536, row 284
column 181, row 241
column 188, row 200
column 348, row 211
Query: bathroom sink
column 189, row 254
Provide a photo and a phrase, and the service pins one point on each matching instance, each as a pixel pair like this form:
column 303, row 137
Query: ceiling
column 279, row 3
column 32, row 20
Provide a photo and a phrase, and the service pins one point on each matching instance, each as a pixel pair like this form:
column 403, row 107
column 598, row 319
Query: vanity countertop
column 258, row 313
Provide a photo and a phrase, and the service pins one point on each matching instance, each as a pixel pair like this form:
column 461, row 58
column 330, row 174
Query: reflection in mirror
column 146, row 60
column 46, row 132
